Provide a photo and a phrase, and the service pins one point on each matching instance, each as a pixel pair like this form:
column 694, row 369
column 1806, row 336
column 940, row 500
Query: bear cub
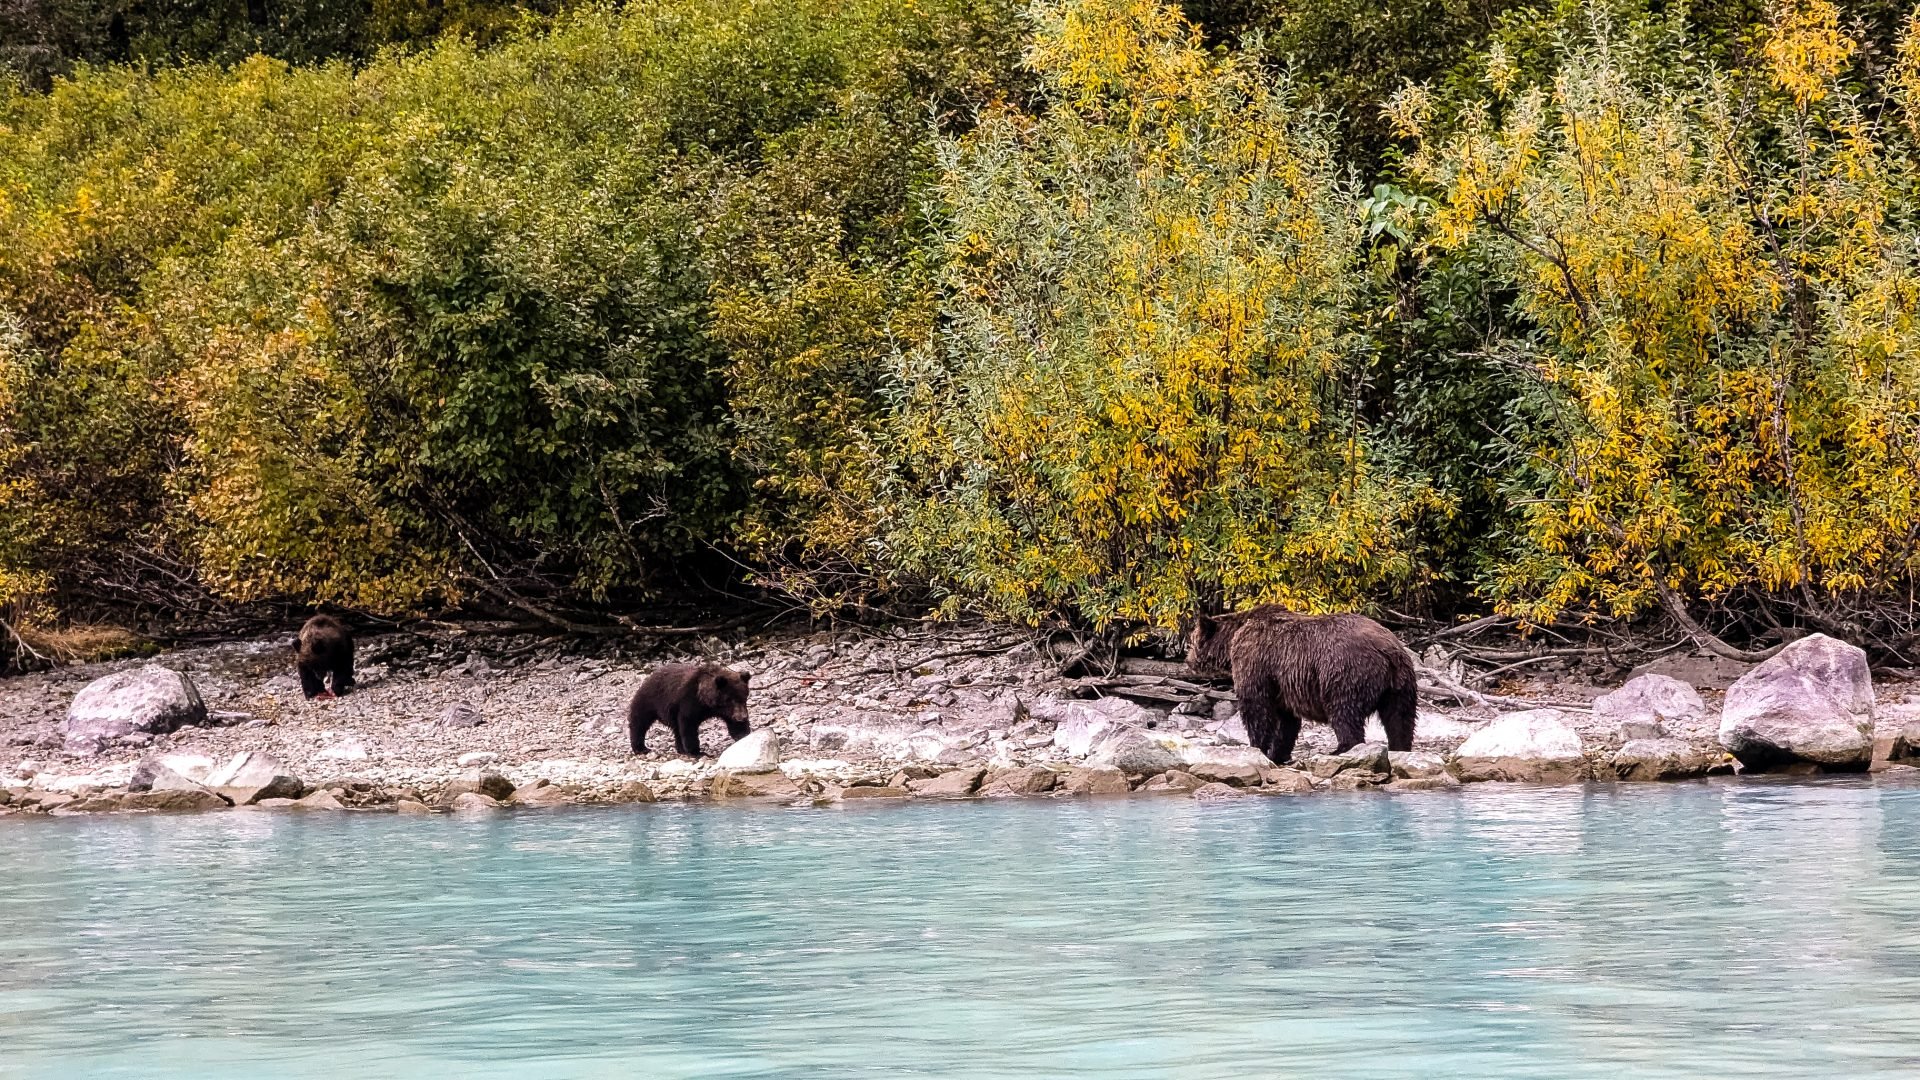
column 323, row 654
column 1331, row 669
column 680, row 696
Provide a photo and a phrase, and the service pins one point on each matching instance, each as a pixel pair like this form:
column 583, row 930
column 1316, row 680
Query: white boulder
column 1535, row 746
column 1812, row 702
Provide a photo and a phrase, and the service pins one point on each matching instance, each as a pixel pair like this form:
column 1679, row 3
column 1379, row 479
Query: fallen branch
column 1703, row 637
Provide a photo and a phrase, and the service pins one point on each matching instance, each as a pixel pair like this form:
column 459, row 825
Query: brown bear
column 681, row 696
column 1331, row 669
column 323, row 652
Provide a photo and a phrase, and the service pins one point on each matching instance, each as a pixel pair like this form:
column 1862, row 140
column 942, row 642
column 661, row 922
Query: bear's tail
column 1400, row 704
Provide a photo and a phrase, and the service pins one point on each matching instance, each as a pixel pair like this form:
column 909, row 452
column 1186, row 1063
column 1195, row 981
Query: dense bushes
column 1613, row 312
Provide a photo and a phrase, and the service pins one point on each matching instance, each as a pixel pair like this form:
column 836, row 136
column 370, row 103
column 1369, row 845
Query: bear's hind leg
column 1349, row 727
column 639, row 721
column 1286, row 732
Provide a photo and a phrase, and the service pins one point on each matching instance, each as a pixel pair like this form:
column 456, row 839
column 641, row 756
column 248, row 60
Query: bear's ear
column 1205, row 626
column 745, row 677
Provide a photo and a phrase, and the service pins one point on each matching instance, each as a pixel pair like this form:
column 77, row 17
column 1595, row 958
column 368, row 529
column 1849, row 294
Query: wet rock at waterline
column 753, row 785
column 1662, row 759
column 1095, row 780
column 251, row 776
column 478, row 781
column 952, row 784
column 473, row 802
column 131, row 705
column 1537, row 746
column 1019, row 780
column 1241, row 766
column 169, row 770
column 1646, row 706
column 1811, row 703
column 1366, row 757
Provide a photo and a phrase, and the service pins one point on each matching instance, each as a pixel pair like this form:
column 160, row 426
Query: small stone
column 473, row 802
column 1095, row 780
column 952, row 784
column 411, row 806
column 461, row 715
column 1366, row 757
column 476, row 757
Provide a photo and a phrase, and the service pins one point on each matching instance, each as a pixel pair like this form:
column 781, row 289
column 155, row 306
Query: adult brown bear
column 1331, row 669
column 681, row 696
column 322, row 654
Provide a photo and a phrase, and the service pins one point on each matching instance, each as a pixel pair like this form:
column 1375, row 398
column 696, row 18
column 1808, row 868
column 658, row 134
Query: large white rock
column 1535, row 746
column 190, row 767
column 1811, row 702
column 1644, row 707
column 250, row 776
column 1242, row 766
column 1079, row 726
column 757, row 753
column 151, row 700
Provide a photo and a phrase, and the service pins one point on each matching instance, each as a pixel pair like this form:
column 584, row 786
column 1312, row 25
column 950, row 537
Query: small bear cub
column 680, row 696
column 324, row 654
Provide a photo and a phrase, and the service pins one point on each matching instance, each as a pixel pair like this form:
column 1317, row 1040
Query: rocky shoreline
column 473, row 721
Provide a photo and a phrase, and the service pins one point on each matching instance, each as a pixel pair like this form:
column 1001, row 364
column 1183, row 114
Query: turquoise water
column 1692, row 930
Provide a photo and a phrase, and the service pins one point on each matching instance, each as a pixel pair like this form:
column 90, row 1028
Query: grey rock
column 1367, row 757
column 1136, row 754
column 461, row 715
column 319, row 800
column 150, row 700
column 411, row 806
column 1437, row 782
column 250, row 776
column 1646, row 705
column 1416, row 764
column 1696, row 669
column 152, row 768
column 1358, row 780
column 887, row 792
column 753, row 785
column 1810, row 703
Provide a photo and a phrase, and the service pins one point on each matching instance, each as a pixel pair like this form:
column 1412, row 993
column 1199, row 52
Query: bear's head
column 724, row 692
column 1210, row 645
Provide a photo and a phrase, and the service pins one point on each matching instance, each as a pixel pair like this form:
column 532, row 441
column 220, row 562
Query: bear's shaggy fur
column 1331, row 669
column 323, row 652
column 681, row 696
